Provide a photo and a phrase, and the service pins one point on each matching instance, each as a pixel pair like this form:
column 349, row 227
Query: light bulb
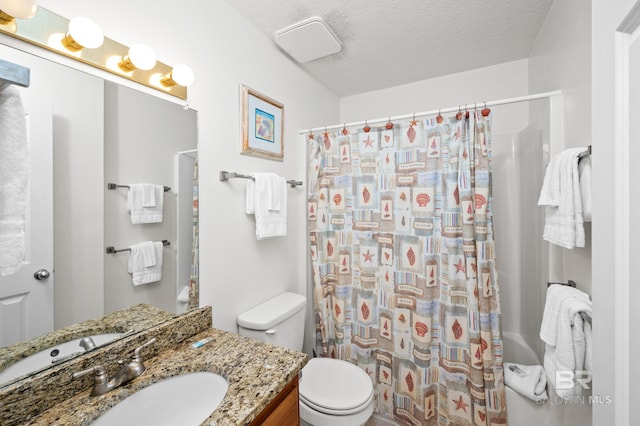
column 83, row 32
column 140, row 56
column 22, row 9
column 180, row 74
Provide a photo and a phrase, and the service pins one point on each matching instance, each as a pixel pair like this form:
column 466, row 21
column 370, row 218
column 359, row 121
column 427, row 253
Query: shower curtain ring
column 389, row 124
column 485, row 111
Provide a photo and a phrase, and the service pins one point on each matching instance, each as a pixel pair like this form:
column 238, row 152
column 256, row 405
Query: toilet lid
column 334, row 386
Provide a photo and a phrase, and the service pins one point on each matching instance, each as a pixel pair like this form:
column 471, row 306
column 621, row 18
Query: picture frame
column 262, row 125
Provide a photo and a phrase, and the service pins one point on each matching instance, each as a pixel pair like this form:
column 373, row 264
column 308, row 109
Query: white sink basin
column 48, row 357
column 183, row 400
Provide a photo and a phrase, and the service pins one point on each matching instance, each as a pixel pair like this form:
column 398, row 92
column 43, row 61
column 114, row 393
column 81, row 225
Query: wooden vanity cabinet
column 283, row 410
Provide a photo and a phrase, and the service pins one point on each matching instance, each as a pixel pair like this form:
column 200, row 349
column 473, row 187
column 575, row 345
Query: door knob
column 41, row 274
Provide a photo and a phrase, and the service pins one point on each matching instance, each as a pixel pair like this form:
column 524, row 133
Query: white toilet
column 332, row 392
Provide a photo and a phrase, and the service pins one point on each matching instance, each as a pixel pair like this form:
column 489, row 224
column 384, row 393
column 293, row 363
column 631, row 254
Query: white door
column 626, row 227
column 26, row 303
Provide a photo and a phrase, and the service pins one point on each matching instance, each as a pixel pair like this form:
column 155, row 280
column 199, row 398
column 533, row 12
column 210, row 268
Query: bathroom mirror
column 103, row 132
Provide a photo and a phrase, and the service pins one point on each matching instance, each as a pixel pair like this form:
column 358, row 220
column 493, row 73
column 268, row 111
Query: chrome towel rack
column 585, row 153
column 224, row 176
column 115, row 185
column 113, row 250
column 15, row 74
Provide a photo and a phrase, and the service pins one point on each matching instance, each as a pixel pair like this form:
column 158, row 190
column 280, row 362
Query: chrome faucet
column 87, row 343
column 101, row 382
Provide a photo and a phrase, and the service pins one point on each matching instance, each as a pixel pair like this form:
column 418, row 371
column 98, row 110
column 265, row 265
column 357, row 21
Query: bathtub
column 521, row 410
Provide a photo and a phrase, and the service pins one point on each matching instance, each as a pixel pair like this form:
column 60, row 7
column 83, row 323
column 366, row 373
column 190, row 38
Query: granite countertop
column 135, row 318
column 256, row 373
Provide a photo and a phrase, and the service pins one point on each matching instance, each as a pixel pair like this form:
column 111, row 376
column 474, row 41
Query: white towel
column 570, row 343
column 560, row 194
column 588, row 340
column 566, row 335
column 556, row 296
column 552, row 366
column 269, row 222
column 250, row 197
column 145, row 262
column 145, row 202
column 15, row 169
column 527, row 380
column 584, row 171
column 276, row 191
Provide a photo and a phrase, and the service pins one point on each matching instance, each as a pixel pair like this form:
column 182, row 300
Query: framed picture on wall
column 262, row 125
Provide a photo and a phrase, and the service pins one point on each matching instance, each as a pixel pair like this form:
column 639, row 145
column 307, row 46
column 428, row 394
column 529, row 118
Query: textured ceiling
column 391, row 42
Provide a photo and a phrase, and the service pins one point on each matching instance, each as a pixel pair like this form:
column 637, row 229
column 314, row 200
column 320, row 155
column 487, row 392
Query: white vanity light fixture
column 140, row 56
column 83, row 33
column 49, row 30
column 21, row 9
column 181, row 75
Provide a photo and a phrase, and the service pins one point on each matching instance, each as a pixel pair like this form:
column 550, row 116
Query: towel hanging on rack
column 560, row 194
column 145, row 203
column 266, row 199
column 15, row 169
column 145, row 262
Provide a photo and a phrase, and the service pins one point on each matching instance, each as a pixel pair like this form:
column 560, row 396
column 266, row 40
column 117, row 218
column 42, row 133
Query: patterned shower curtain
column 194, row 276
column 401, row 242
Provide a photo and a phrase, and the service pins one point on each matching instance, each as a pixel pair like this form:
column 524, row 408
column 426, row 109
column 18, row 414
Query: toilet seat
column 335, row 387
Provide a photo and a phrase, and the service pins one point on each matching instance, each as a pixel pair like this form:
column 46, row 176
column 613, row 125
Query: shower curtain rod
column 438, row 111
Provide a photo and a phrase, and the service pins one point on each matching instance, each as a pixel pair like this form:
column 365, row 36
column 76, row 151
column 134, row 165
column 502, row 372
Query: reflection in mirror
column 50, row 349
column 96, row 132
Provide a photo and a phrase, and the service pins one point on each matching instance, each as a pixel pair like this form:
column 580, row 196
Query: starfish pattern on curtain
column 402, row 251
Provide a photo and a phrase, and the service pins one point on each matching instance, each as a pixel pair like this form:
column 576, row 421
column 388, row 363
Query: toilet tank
column 279, row 321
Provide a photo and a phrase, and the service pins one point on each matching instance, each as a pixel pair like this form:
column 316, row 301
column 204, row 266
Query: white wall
column 236, row 271
column 560, row 59
column 460, row 89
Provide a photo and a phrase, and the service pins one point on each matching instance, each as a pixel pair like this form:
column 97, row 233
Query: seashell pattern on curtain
column 403, row 257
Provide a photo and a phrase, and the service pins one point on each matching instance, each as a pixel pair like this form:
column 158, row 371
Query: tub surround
column 136, row 318
column 256, row 373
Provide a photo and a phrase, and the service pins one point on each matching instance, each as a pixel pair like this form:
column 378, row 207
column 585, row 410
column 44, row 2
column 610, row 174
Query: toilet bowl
column 332, row 392
column 335, row 392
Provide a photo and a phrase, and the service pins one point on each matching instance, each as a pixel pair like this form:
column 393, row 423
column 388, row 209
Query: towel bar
column 224, row 176
column 112, row 249
column 570, row 283
column 14, row 74
column 585, row 153
column 115, row 185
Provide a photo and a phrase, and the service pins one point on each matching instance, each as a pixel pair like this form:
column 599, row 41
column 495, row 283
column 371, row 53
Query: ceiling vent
column 308, row 40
